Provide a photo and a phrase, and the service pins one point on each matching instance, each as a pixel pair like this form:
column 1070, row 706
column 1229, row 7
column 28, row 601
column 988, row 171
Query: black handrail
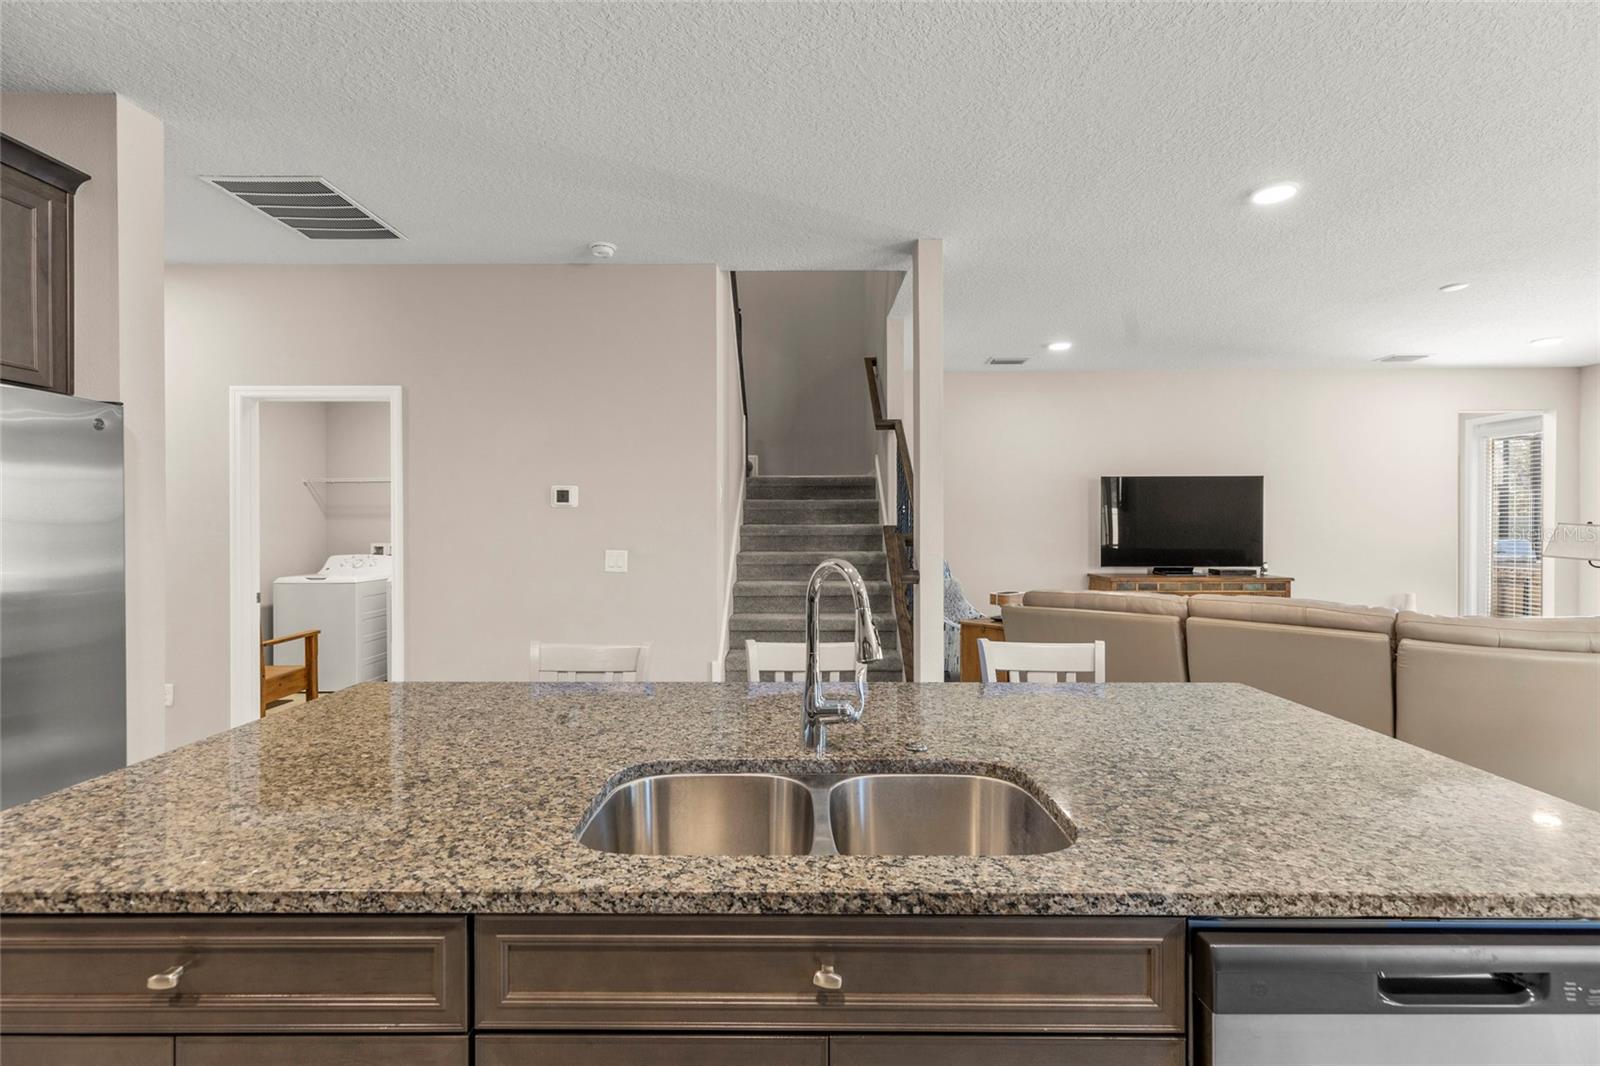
column 738, row 345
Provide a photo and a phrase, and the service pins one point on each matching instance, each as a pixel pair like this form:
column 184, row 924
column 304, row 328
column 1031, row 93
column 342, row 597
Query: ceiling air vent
column 309, row 206
column 1006, row 361
column 1403, row 357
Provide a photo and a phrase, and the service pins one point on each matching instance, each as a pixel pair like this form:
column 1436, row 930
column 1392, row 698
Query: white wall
column 1361, row 468
column 357, row 436
column 118, row 262
column 806, row 333
column 1587, row 507
column 515, row 378
column 294, row 531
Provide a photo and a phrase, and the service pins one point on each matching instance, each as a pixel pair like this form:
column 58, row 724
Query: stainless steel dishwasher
column 1396, row 998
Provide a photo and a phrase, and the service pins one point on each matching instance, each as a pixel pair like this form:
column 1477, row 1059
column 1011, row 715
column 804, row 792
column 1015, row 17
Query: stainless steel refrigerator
column 63, row 685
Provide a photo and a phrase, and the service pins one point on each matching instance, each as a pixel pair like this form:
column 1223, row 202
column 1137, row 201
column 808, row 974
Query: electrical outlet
column 616, row 561
column 166, row 694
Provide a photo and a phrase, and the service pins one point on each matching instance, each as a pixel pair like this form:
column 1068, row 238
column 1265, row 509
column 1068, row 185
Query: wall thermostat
column 563, row 495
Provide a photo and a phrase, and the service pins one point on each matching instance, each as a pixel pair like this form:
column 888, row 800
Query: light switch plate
column 563, row 495
column 616, row 561
column 166, row 694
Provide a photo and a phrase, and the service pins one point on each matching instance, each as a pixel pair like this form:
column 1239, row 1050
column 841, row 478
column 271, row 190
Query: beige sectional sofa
column 1143, row 631
column 1331, row 656
column 1517, row 697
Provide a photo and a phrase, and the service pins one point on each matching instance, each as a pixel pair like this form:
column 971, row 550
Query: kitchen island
column 398, row 808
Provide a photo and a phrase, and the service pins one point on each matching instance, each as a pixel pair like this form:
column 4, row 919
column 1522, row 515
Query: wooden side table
column 973, row 630
column 1191, row 584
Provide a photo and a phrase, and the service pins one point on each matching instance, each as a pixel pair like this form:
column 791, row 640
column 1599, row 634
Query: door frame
column 244, row 529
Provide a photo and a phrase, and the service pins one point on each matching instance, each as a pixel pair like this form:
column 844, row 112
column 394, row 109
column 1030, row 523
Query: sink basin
column 704, row 814
column 823, row 814
column 939, row 814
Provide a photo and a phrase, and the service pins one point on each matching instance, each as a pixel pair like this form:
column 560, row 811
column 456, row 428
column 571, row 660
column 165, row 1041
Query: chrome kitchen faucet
column 819, row 710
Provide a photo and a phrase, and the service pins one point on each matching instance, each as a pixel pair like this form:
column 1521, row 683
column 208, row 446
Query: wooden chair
column 787, row 662
column 588, row 662
column 280, row 681
column 1063, row 662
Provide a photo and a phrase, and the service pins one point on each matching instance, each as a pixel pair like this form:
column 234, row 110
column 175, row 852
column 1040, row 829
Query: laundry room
column 326, row 547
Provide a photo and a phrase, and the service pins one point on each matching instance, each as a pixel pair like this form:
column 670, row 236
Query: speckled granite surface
column 1187, row 799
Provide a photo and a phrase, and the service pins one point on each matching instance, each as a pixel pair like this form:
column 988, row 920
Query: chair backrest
column 1024, row 662
column 787, row 662
column 588, row 662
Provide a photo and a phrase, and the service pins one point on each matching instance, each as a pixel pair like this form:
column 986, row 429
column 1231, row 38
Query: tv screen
column 1180, row 521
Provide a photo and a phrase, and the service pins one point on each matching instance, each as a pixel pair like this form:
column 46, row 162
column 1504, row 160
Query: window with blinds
column 1513, row 494
column 1504, row 509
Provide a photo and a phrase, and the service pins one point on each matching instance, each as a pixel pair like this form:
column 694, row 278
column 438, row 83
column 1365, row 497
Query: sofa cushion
column 1126, row 602
column 1531, row 634
column 1278, row 610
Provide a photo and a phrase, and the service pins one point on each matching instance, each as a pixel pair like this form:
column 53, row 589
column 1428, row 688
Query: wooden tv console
column 1190, row 584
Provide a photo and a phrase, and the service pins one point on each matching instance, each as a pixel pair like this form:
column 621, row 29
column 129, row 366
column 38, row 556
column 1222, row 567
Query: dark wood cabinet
column 86, row 1050
column 322, row 1051
column 610, row 1049
column 1098, row 975
column 228, row 974
column 36, row 202
column 570, row 990
column 1009, row 1050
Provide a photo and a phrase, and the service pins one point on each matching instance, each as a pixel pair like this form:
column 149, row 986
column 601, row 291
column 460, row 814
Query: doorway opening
column 316, row 541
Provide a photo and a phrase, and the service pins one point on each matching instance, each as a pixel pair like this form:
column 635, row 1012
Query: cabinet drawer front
column 605, row 1049
column 83, row 975
column 1009, row 1050
column 322, row 1051
column 995, row 974
column 86, row 1050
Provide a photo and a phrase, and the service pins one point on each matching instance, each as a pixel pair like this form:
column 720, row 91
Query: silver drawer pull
column 827, row 980
column 165, row 981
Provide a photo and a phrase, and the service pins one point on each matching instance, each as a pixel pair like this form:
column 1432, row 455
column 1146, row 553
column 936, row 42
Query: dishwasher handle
column 1496, row 989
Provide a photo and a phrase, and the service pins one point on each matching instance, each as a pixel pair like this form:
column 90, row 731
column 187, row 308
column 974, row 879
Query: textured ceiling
column 1086, row 164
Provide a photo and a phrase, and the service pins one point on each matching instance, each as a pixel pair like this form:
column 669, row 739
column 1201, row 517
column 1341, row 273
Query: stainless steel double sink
column 823, row 814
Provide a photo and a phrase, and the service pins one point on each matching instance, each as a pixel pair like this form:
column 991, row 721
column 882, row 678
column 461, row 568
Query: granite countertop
column 429, row 797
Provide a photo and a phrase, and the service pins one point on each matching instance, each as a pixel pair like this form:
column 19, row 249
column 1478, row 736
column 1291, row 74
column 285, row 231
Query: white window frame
column 1472, row 597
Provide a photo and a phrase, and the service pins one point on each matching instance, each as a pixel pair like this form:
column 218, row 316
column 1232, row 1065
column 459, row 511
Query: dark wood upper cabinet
column 36, row 194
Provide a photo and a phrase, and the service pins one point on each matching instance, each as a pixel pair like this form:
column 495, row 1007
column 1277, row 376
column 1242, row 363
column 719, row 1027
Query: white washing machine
column 348, row 600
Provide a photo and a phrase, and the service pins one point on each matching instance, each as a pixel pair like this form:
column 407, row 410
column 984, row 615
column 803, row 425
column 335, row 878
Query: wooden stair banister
column 898, row 539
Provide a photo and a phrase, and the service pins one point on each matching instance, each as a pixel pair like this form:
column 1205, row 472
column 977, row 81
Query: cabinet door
column 86, row 1050
column 605, row 1049
column 321, row 1050
column 35, row 282
column 725, row 973
column 233, row 975
column 1010, row 1050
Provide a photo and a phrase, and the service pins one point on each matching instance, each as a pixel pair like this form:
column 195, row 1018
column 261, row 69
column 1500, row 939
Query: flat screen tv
column 1180, row 521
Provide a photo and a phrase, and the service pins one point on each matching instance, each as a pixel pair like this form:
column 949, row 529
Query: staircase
column 790, row 525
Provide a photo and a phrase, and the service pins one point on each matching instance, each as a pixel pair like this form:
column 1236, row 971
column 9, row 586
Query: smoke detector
column 1404, row 357
column 310, row 206
column 602, row 249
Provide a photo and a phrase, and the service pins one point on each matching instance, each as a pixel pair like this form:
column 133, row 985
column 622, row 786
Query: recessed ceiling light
column 1548, row 819
column 1454, row 286
column 1276, row 193
column 1059, row 346
column 1545, row 342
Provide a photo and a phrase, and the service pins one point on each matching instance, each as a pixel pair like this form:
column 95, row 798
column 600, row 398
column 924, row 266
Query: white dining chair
column 787, row 662
column 588, row 662
column 1063, row 663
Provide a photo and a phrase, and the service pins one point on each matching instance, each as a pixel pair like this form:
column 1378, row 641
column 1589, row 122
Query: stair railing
column 899, row 539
